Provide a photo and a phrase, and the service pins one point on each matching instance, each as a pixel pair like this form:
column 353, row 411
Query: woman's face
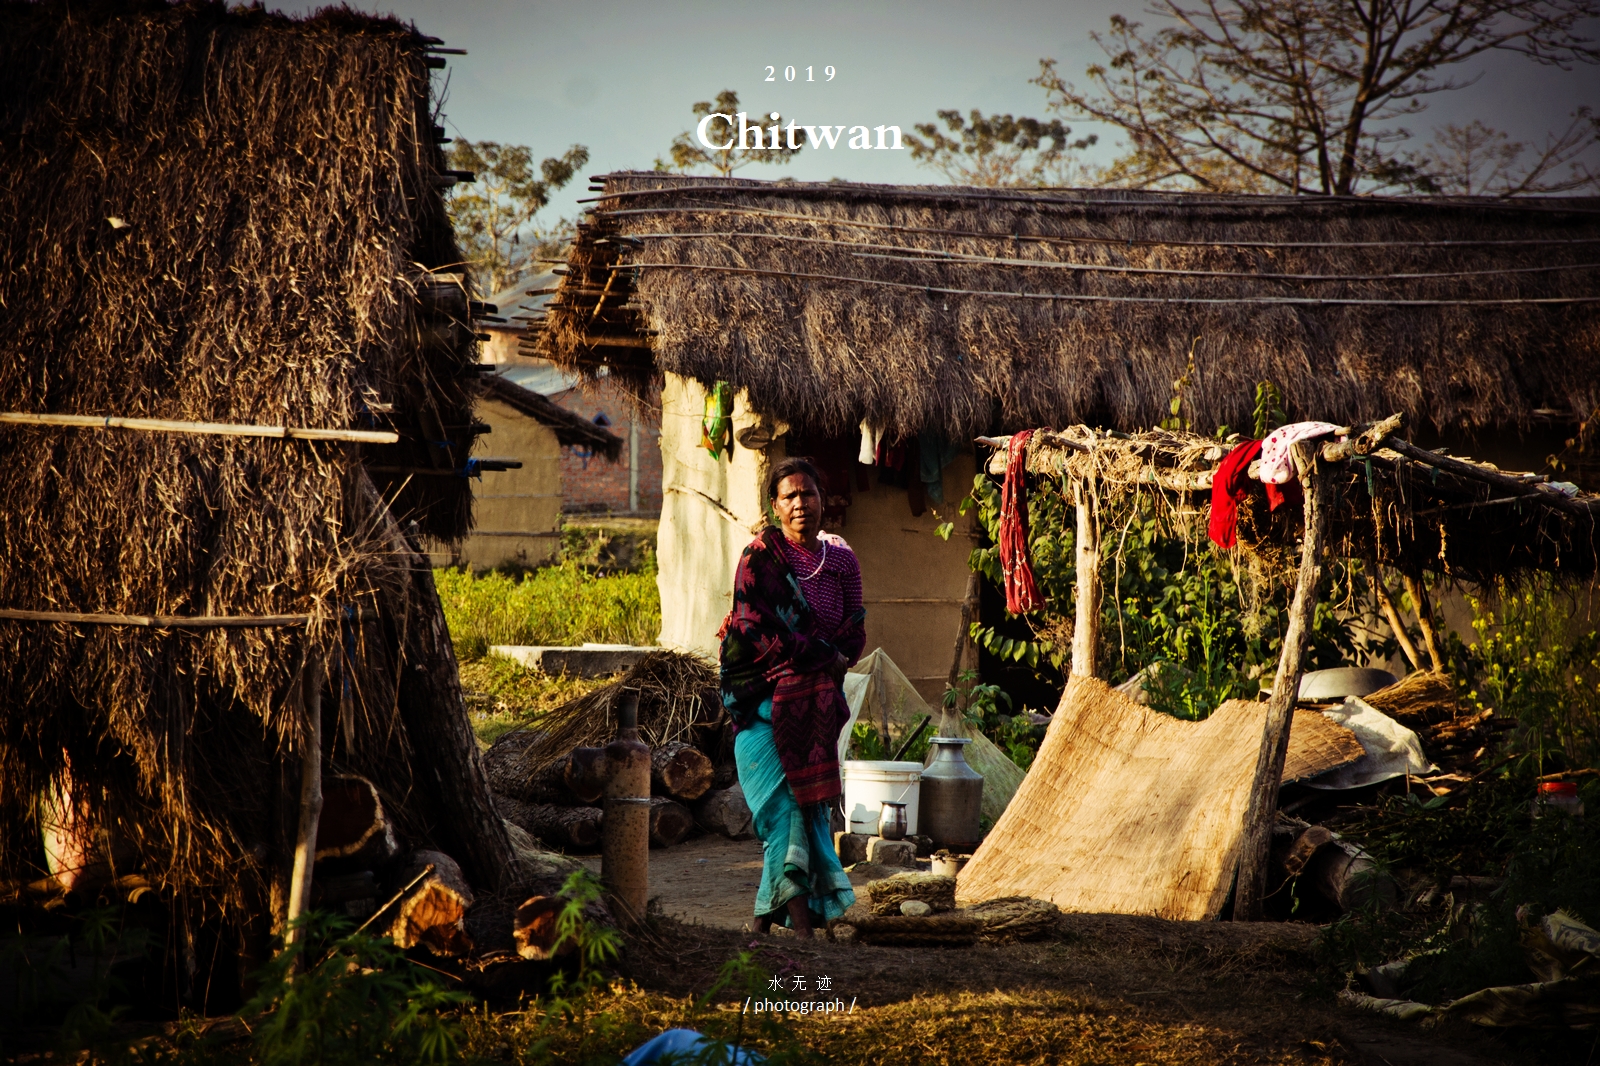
column 799, row 507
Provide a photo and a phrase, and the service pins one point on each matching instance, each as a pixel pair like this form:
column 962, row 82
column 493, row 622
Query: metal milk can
column 951, row 800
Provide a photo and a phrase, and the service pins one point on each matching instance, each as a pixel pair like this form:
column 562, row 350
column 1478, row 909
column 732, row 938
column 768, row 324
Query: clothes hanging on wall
column 936, row 454
column 716, row 425
column 871, row 438
column 1022, row 593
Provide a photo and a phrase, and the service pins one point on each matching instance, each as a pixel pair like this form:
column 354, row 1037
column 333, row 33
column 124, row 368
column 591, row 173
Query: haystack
column 220, row 215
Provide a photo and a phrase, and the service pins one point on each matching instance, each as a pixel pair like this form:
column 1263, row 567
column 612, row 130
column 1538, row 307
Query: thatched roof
column 214, row 215
column 570, row 428
column 964, row 310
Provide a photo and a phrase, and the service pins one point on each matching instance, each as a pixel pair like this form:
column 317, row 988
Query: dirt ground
column 1103, row 988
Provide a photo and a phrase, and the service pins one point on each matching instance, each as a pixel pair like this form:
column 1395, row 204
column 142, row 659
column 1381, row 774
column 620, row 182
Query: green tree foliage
column 1307, row 95
column 1000, row 150
column 688, row 155
column 494, row 216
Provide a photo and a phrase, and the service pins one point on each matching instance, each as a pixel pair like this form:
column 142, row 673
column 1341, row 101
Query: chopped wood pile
column 547, row 780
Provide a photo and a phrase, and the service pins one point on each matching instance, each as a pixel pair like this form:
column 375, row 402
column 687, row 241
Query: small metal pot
column 892, row 821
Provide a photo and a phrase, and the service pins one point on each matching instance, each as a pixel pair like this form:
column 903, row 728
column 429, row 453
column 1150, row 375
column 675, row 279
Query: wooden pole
column 210, row 429
column 1252, row 886
column 1430, row 637
column 969, row 608
column 1086, row 623
column 1392, row 615
column 305, row 841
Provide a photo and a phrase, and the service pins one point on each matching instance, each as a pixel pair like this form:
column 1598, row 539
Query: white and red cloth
column 1277, row 465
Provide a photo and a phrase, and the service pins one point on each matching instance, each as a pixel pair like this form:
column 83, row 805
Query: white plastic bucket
column 870, row 783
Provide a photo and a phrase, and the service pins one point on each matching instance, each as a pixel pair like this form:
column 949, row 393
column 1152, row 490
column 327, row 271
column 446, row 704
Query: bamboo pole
column 1392, row 615
column 1086, row 622
column 1424, row 606
column 305, row 841
column 214, row 429
column 1252, row 884
column 160, row 621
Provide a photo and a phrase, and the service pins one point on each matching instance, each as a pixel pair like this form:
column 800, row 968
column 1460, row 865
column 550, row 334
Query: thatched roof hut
column 969, row 310
column 217, row 215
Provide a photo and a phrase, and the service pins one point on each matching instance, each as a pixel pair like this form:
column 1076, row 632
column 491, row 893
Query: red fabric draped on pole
column 1022, row 594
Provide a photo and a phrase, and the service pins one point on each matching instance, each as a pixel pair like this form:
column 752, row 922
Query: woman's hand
column 840, row 667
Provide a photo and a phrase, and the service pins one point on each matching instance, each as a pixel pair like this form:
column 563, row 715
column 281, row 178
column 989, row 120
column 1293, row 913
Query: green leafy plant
column 1269, row 413
column 562, row 604
column 1537, row 659
column 335, row 997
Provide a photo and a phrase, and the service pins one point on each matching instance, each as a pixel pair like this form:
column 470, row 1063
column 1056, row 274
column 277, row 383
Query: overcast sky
column 621, row 77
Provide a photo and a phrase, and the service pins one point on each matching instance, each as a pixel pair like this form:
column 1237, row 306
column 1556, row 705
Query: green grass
column 502, row 694
column 561, row 605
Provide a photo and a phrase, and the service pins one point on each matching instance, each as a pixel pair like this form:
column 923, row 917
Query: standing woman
column 795, row 628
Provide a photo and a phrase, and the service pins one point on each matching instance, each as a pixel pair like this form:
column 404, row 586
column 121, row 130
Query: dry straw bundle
column 213, row 216
column 678, row 692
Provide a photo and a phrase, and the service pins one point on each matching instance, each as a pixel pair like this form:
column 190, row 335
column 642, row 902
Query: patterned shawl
column 770, row 650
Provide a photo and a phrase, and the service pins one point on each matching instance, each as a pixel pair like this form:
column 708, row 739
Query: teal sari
column 799, row 859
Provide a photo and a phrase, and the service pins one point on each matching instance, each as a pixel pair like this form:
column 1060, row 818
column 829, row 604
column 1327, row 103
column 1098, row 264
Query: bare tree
column 493, row 216
column 1300, row 95
column 996, row 150
column 717, row 120
column 1475, row 160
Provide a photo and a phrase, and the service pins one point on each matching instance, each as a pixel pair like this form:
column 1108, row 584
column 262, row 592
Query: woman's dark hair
column 789, row 468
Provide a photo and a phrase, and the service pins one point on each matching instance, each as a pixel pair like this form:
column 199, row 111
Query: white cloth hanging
column 870, row 439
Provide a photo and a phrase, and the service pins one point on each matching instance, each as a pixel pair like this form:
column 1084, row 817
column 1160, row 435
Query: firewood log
column 534, row 928
column 725, row 811
column 681, row 771
column 353, row 825
column 584, row 773
column 506, row 765
column 432, row 913
column 670, row 822
column 557, row 827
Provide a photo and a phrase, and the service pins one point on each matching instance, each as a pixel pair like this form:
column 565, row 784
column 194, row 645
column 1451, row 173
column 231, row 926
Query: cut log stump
column 556, row 827
column 725, row 811
column 432, row 913
column 670, row 822
column 681, row 771
column 353, row 825
column 535, row 928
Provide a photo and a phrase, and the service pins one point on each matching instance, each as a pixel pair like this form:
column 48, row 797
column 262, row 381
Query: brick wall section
column 590, row 484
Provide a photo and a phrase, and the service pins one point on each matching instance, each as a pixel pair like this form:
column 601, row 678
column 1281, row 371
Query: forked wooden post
column 305, row 840
column 1430, row 636
column 1086, row 621
column 1258, row 819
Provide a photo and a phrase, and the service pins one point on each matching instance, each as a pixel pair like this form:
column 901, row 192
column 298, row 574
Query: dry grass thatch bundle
column 219, row 215
column 678, row 692
column 935, row 307
column 1420, row 698
column 936, row 890
column 1015, row 918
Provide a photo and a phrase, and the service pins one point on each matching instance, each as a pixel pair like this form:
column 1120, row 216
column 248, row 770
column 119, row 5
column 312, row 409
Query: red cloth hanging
column 1022, row 594
column 1229, row 486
